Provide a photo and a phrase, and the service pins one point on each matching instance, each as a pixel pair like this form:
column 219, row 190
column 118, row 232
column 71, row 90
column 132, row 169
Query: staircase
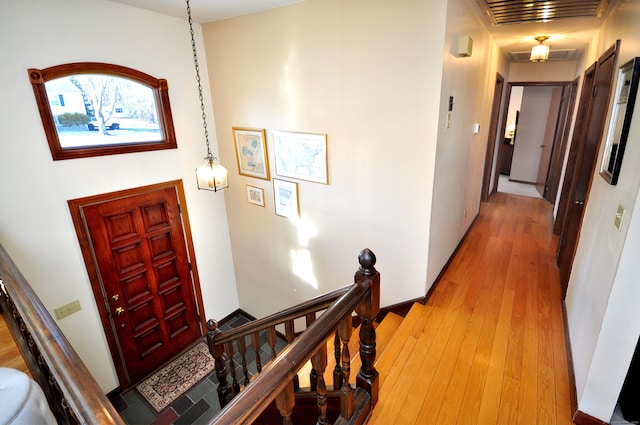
column 398, row 360
column 399, row 365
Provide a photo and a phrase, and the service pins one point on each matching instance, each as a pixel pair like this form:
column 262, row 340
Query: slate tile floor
column 198, row 405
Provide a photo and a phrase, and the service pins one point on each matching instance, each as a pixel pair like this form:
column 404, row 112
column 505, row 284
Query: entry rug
column 176, row 378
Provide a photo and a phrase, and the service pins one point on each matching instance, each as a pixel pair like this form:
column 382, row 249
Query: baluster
column 225, row 392
column 313, row 375
column 319, row 362
column 285, row 402
column 346, row 394
column 271, row 339
column 69, row 414
column 337, row 370
column 255, row 343
column 368, row 310
column 242, row 349
column 232, row 367
column 61, row 407
column 290, row 334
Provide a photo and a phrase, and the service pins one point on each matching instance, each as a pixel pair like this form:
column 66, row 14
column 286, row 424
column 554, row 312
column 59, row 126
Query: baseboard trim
column 581, row 418
column 401, row 309
column 233, row 314
column 573, row 396
column 522, row 181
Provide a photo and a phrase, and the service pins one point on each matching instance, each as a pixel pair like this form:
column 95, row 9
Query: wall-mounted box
column 463, row 46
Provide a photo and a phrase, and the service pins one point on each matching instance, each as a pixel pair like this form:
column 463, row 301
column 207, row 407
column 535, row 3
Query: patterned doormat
column 176, row 378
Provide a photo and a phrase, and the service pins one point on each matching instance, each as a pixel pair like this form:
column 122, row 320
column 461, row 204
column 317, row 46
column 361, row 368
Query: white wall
column 460, row 156
column 35, row 223
column 603, row 318
column 542, row 71
column 364, row 73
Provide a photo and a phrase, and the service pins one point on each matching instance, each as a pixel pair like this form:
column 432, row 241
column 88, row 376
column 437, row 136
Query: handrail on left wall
column 73, row 394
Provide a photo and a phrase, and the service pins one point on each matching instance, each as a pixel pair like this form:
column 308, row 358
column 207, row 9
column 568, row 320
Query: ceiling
column 570, row 24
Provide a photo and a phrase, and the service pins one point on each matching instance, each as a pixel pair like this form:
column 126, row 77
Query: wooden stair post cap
column 367, row 260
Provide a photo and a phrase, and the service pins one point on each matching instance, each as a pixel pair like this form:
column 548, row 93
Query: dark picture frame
column 622, row 112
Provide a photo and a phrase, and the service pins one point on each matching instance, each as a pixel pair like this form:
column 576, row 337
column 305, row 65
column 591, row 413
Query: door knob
column 115, row 297
column 579, row 202
column 119, row 311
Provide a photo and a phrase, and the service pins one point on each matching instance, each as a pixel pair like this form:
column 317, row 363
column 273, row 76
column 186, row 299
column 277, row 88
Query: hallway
column 493, row 329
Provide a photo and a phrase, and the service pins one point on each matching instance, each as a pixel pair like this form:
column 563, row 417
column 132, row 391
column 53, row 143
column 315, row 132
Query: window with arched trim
column 92, row 109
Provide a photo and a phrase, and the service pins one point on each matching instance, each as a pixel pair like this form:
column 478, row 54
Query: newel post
column 225, row 391
column 367, row 275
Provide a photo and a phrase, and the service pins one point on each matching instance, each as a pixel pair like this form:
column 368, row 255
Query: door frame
column 500, row 124
column 575, row 151
column 567, row 108
column 498, row 94
column 76, row 208
column 578, row 153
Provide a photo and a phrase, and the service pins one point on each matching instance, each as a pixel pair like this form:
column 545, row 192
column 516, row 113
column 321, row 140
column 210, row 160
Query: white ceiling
column 207, row 10
column 565, row 34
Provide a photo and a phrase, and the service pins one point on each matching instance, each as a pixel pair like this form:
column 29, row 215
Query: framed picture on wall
column 301, row 156
column 255, row 195
column 616, row 141
column 251, row 152
column 285, row 195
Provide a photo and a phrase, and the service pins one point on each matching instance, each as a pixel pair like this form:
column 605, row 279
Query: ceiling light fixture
column 210, row 176
column 540, row 52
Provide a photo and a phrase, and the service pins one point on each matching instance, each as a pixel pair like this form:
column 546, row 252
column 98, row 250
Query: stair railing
column 73, row 395
column 277, row 381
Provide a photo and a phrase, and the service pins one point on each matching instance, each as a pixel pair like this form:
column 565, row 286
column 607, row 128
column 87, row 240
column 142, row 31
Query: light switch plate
column 619, row 217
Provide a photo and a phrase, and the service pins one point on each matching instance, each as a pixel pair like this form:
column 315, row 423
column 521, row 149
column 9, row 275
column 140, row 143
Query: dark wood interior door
column 140, row 252
column 587, row 150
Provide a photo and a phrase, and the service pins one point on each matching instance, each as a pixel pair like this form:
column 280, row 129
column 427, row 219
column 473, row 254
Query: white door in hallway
column 530, row 141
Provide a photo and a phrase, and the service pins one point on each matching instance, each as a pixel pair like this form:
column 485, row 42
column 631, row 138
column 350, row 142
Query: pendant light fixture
column 540, row 52
column 210, row 176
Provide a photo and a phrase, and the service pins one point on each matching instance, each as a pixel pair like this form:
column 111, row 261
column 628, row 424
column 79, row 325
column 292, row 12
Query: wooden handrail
column 315, row 304
column 73, row 394
column 279, row 380
column 247, row 406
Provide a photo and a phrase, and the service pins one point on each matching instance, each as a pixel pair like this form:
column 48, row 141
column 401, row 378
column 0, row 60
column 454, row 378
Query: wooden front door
column 587, row 147
column 141, row 263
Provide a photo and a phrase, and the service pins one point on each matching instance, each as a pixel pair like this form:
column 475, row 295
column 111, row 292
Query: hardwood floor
column 9, row 354
column 489, row 346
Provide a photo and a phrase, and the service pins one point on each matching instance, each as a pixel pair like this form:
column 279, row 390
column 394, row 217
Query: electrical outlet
column 67, row 309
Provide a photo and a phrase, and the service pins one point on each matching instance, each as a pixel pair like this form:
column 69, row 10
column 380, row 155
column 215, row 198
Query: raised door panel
column 142, row 259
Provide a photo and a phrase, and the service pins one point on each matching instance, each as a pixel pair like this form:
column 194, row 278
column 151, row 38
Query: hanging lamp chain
column 197, row 66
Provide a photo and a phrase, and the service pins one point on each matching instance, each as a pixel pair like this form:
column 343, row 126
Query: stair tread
column 407, row 329
column 392, row 334
column 384, row 332
column 410, row 364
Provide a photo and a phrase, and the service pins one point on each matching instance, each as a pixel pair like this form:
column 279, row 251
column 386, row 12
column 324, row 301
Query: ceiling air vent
column 517, row 12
